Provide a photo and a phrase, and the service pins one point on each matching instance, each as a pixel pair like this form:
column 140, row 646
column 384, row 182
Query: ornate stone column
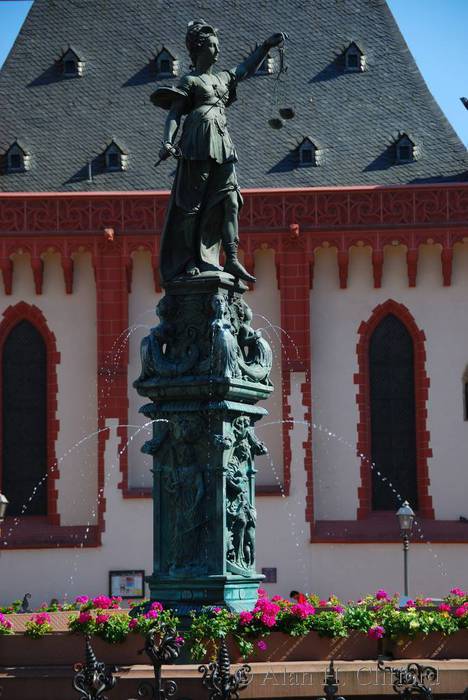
column 204, row 368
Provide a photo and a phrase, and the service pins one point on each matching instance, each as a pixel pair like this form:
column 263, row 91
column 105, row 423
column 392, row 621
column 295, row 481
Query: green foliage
column 115, row 629
column 359, row 617
column 412, row 622
column 36, row 630
column 208, row 628
column 328, row 624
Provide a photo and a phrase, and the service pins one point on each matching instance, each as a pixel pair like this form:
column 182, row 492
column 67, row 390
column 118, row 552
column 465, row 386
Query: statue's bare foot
column 233, row 267
column 191, row 269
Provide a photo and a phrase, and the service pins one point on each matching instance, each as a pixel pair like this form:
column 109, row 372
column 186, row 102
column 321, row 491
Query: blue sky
column 435, row 32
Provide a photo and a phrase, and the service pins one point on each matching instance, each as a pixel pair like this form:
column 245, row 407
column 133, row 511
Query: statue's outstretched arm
column 250, row 65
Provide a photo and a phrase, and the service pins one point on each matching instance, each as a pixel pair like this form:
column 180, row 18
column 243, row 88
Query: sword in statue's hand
column 170, row 150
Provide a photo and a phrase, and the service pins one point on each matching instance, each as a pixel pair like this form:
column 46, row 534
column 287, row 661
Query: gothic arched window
column 24, row 420
column 393, row 415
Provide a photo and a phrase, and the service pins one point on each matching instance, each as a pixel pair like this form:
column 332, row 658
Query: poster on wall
column 127, row 584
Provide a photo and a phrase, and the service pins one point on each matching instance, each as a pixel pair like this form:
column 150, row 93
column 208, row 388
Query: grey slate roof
column 354, row 117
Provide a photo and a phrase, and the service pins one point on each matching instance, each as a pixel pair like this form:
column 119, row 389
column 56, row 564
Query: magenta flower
column 115, row 601
column 458, row 592
column 302, row 610
column 268, row 620
column 462, row 610
column 84, row 618
column 157, row 606
column 261, row 645
column 152, row 614
column 276, row 598
column 262, row 593
column 102, row 601
column 445, row 607
column 245, row 617
column 179, row 640
column 322, row 603
column 376, row 632
column 4, row 622
column 82, row 599
column 41, row 618
column 410, row 604
column 102, row 619
column 216, row 610
column 382, row 595
column 337, row 608
column 133, row 623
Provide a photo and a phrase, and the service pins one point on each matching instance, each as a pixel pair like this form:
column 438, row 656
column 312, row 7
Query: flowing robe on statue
column 205, row 175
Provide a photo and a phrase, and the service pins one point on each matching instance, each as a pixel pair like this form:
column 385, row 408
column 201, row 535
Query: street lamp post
column 405, row 516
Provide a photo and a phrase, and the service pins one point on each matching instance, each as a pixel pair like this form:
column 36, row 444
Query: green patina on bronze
column 203, row 366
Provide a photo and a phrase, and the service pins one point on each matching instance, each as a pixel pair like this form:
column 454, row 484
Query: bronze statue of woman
column 204, row 206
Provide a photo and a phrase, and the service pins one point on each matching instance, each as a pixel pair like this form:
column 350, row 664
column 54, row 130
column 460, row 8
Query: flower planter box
column 311, row 647
column 432, row 646
column 66, row 649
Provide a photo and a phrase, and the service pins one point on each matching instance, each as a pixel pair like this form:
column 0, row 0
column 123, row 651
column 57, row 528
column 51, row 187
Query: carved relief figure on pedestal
column 224, row 347
column 256, row 358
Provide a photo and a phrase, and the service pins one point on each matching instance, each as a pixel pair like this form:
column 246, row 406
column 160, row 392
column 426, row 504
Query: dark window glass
column 16, row 162
column 466, row 400
column 392, row 404
column 306, row 155
column 352, row 60
column 113, row 160
column 404, row 152
column 24, row 420
column 165, row 66
column 69, row 67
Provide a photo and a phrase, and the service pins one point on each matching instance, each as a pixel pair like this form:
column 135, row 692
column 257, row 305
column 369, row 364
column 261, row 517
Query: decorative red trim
column 37, row 532
column 421, row 388
column 11, row 317
column 383, row 528
column 112, row 352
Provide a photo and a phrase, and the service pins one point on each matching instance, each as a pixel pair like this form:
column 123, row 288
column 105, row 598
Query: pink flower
column 376, row 632
column 245, row 617
column 157, row 606
column 337, row 608
column 41, row 618
column 445, row 607
column 462, row 610
column 4, row 622
column 261, row 645
column 268, row 620
column 102, row 601
column 102, row 619
column 302, row 610
column 410, row 604
column 179, row 640
column 82, row 599
column 322, row 603
column 276, row 598
column 381, row 595
column 262, row 593
column 133, row 623
column 152, row 614
column 458, row 592
column 84, row 618
column 115, row 601
column 216, row 611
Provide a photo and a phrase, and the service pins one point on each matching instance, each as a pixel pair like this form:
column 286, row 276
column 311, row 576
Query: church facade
column 355, row 223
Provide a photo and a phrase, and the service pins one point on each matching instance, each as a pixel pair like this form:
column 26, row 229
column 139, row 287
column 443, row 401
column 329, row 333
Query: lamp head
column 405, row 516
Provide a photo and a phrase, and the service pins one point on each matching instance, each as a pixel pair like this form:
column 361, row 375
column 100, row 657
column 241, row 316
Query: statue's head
column 201, row 38
column 219, row 305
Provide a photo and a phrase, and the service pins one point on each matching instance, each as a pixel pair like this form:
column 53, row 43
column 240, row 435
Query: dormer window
column 354, row 59
column 115, row 158
column 71, row 64
column 166, row 65
column 17, row 159
column 404, row 150
column 308, row 154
